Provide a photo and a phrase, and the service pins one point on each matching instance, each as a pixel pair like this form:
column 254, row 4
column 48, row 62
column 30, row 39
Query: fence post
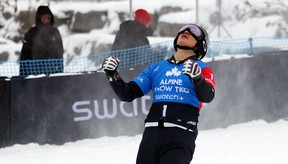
column 250, row 40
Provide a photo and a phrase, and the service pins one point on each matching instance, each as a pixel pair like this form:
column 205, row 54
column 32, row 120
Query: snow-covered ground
column 255, row 142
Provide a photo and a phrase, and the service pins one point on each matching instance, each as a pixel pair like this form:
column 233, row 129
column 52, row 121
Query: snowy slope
column 255, row 142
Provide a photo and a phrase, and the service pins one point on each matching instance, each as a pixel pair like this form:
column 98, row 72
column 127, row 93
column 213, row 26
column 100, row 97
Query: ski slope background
column 254, row 22
column 254, row 142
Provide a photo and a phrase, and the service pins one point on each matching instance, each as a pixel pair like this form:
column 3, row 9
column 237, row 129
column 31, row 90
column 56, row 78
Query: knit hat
column 142, row 16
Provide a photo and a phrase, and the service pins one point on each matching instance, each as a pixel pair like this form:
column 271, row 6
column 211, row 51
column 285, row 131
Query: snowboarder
column 179, row 85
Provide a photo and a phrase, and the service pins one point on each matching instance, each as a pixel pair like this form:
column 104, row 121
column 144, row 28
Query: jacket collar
column 174, row 61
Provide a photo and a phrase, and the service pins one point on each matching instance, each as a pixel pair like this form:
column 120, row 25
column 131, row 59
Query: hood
column 41, row 11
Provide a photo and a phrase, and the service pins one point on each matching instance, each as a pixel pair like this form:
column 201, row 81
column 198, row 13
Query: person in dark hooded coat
column 43, row 41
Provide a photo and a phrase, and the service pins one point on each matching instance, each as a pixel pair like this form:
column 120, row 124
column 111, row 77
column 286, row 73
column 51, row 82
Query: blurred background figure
column 42, row 41
column 133, row 33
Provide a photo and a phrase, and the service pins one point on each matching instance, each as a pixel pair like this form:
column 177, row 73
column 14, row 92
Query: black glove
column 110, row 66
column 192, row 69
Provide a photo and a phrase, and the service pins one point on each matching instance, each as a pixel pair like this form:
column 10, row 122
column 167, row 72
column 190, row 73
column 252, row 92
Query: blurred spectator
column 43, row 41
column 133, row 33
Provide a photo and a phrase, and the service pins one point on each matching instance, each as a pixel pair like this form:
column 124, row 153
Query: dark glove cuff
column 114, row 77
column 197, row 80
column 110, row 73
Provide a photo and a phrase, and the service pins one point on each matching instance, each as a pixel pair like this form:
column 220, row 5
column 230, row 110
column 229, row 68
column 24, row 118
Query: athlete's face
column 186, row 39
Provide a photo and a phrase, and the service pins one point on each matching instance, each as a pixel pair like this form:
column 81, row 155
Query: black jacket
column 41, row 42
column 131, row 34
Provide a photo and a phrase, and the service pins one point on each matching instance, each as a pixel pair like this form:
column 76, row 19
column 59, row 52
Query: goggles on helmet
column 193, row 29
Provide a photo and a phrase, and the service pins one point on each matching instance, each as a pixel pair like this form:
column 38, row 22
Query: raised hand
column 192, row 69
column 110, row 65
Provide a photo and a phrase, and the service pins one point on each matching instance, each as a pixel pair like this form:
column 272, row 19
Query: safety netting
column 143, row 55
